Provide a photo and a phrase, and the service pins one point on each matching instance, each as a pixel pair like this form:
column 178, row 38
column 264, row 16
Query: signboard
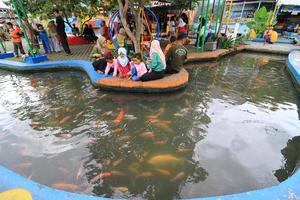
column 159, row 3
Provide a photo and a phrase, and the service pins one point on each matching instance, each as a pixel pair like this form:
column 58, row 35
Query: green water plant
column 262, row 19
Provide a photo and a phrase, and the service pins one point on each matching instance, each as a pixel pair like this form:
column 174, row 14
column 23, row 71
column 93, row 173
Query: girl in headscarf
column 121, row 37
column 157, row 64
column 123, row 63
column 181, row 26
column 99, row 49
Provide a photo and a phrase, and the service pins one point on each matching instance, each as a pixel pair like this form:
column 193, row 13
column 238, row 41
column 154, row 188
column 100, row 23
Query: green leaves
column 262, row 19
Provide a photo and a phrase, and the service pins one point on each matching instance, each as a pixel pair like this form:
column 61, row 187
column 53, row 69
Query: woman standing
column 53, row 37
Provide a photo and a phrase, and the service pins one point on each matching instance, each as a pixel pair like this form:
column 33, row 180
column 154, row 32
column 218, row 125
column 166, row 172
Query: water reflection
column 291, row 159
column 60, row 131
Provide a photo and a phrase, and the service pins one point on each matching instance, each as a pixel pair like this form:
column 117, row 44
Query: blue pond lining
column 10, row 180
column 281, row 41
column 293, row 64
column 81, row 65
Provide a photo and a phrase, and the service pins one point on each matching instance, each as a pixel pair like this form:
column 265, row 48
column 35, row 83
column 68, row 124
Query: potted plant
column 211, row 44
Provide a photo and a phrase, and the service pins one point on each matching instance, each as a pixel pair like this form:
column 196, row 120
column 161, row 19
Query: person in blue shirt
column 43, row 37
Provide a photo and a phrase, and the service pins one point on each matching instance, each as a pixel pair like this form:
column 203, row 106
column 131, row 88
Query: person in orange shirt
column 16, row 36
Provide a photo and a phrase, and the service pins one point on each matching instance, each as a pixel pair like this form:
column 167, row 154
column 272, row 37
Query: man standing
column 61, row 31
column 177, row 55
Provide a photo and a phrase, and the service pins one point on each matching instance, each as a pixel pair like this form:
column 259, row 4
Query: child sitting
column 138, row 68
column 106, row 65
column 123, row 64
column 43, row 37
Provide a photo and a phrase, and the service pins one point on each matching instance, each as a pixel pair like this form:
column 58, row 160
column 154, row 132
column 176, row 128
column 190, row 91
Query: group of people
column 179, row 26
column 52, row 37
column 270, row 36
column 138, row 67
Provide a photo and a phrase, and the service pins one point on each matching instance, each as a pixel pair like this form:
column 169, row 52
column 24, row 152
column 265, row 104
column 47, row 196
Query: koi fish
column 100, row 176
column 79, row 114
column 24, row 165
column 117, row 162
column 184, row 150
column 144, row 175
column 30, row 176
column 98, row 121
column 107, row 113
column 120, row 116
column 33, row 83
column 147, row 135
column 64, row 120
column 117, row 130
column 66, row 186
column 164, row 160
column 63, row 169
column 80, row 171
column 162, row 172
column 160, row 142
column 118, row 173
column 64, row 135
column 124, row 138
column 121, row 189
column 102, row 96
column 106, row 162
column 34, row 125
column 179, row 176
column 134, row 168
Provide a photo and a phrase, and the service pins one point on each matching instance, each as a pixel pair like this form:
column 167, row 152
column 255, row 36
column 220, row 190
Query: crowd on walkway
column 52, row 35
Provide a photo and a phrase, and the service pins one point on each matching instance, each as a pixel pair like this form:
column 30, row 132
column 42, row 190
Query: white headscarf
column 181, row 23
column 155, row 48
column 123, row 61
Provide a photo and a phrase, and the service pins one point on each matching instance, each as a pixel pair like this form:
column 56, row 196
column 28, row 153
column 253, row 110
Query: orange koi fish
column 34, row 125
column 117, row 162
column 63, row 169
column 117, row 130
column 124, row 138
column 100, row 176
column 160, row 142
column 163, row 172
column 80, row 171
column 120, row 116
column 144, row 175
column 184, row 150
column 149, row 134
column 118, row 173
column 79, row 114
column 121, row 189
column 66, row 186
column 179, row 176
column 64, row 120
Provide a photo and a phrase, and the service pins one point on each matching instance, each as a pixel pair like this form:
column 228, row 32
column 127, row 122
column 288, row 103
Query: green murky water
column 233, row 129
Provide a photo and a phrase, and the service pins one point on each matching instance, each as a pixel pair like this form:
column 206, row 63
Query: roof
column 289, row 2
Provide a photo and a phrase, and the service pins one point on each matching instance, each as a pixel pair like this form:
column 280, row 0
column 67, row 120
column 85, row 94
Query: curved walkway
column 167, row 84
column 80, row 65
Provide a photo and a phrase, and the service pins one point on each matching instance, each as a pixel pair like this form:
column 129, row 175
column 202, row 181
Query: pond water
column 233, row 129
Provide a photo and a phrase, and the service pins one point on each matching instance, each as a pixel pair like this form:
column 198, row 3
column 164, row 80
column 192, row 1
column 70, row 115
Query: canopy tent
column 289, row 2
column 3, row 5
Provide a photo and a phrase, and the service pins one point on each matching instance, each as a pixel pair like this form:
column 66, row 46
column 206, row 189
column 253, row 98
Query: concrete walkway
column 284, row 49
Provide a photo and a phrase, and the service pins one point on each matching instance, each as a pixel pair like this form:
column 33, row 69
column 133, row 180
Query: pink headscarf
column 155, row 48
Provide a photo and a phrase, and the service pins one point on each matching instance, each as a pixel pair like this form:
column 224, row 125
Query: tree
column 137, row 13
column 83, row 9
